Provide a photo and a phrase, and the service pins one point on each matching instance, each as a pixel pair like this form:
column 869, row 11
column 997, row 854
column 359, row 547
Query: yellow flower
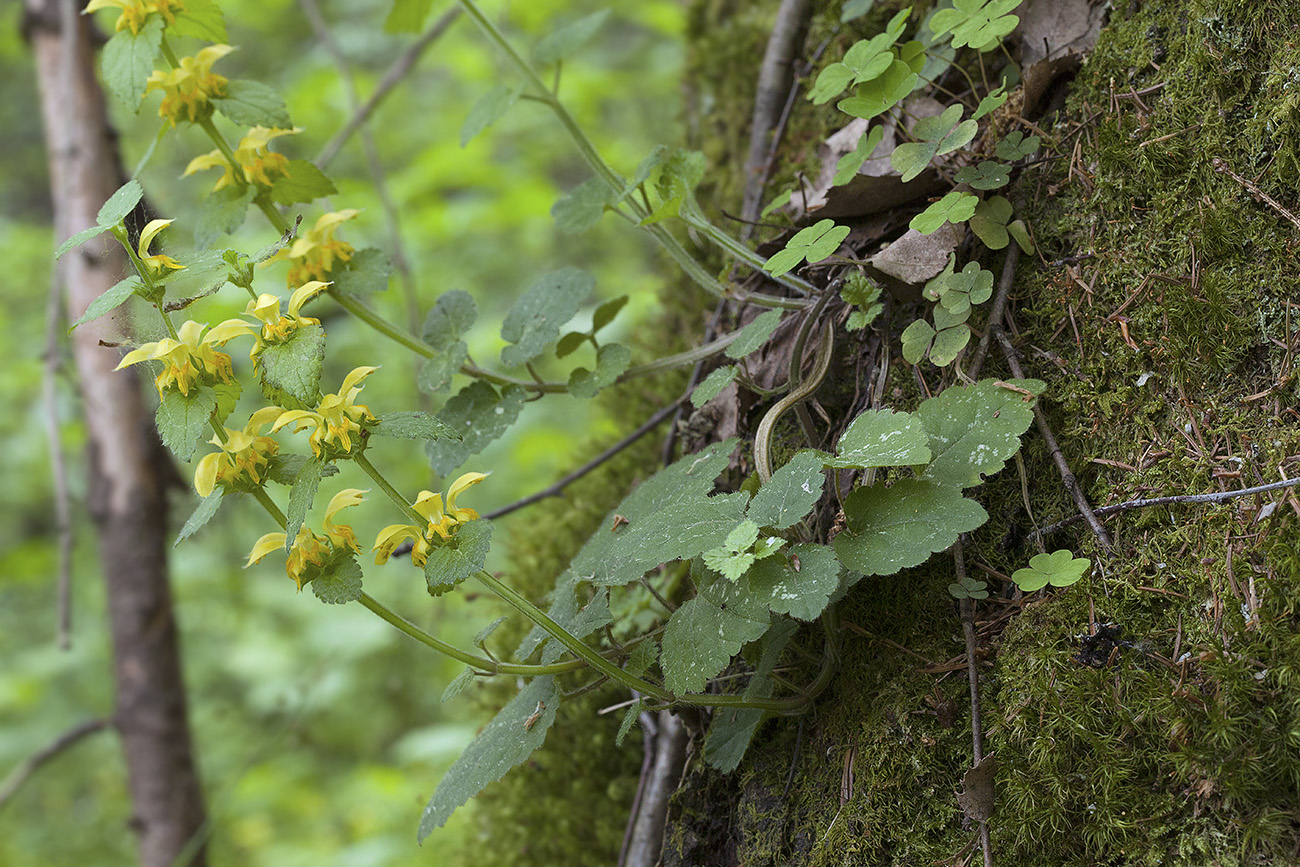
column 243, row 458
column 311, row 553
column 441, row 522
column 277, row 328
column 187, row 88
column 133, row 12
column 336, row 418
column 314, row 255
column 156, row 263
column 261, row 166
column 191, row 359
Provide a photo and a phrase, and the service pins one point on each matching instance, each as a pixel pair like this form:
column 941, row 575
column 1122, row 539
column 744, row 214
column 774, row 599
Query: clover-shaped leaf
column 814, row 243
column 957, row 292
column 1015, row 146
column 981, row 24
column 916, row 339
column 936, row 135
column 881, row 93
column 989, row 222
column 955, row 207
column 851, row 163
column 992, row 102
column 1060, row 569
column 988, row 175
column 865, row 61
column 947, row 337
column 968, row 588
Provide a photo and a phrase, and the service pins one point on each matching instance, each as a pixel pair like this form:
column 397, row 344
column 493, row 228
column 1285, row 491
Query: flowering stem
column 360, row 459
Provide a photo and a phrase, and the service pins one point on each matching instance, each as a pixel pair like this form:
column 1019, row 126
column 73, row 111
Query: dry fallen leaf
column 976, row 797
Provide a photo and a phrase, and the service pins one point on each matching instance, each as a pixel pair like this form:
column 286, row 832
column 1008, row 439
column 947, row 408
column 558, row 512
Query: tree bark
column 126, row 468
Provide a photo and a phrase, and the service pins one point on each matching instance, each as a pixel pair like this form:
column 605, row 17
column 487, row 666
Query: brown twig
column 1260, row 196
column 32, row 763
column 997, row 311
column 977, row 729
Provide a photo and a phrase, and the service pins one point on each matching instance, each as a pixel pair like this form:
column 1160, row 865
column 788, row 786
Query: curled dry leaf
column 1056, row 35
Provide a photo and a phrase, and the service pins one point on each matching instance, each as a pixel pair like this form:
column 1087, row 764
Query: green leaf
column 606, row 312
column 957, row 292
column 733, row 728
column 284, row 468
column 119, row 205
column 252, row 103
column 675, row 178
column 644, row 654
column 976, row 24
column 988, row 175
column 813, row 243
column 1060, row 569
column 293, row 367
column 339, row 582
column 459, row 558
column 973, row 429
column 851, row 163
column 968, row 588
column 452, row 315
column 955, row 207
column 989, row 222
column 80, row 238
column 301, row 496
column 182, row 420
column 457, row 685
column 854, row 9
column 947, row 343
column 437, row 373
column 865, row 61
column 480, row 638
column 413, row 426
column 583, row 206
column 203, row 513
column 487, row 110
column 1017, row 230
column 893, row 528
column 992, row 102
column 713, row 385
column 611, row 360
column 201, row 19
column 754, row 335
column 407, row 16
column 128, row 60
column 508, row 740
column 222, row 213
column 366, row 273
column 570, row 343
column 880, row 94
column 803, row 593
column 706, row 632
column 729, row 564
column 301, row 183
column 480, row 415
column 882, row 438
column 1014, row 146
column 670, row 516
column 536, row 318
column 863, row 293
column 569, row 39
column 630, row 717
column 916, row 339
column 936, row 135
column 781, row 200
column 791, row 492
column 113, row 297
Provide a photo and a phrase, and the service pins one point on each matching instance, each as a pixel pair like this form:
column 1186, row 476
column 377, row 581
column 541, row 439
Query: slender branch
column 377, row 477
column 32, row 763
column 554, row 489
column 972, row 673
column 997, row 311
column 401, row 66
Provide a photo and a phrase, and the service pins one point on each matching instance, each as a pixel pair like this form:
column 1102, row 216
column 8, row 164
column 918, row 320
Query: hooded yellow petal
column 135, row 356
column 150, row 232
column 343, row 499
column 389, row 538
column 263, row 416
column 209, row 160
column 355, row 377
column 227, row 331
column 205, row 475
column 303, row 294
column 263, row 546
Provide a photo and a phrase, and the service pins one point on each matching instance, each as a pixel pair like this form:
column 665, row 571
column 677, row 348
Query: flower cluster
column 189, row 360
column 440, row 522
column 317, row 252
column 336, row 419
column 259, row 163
column 188, row 88
column 243, row 457
column 133, row 13
column 311, row 553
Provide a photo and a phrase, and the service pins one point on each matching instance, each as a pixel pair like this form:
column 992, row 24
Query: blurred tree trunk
column 127, row 468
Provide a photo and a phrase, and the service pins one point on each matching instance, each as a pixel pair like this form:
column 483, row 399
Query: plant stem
column 360, row 459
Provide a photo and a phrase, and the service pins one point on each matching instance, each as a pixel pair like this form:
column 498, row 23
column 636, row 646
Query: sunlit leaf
column 1060, row 569
column 900, row 526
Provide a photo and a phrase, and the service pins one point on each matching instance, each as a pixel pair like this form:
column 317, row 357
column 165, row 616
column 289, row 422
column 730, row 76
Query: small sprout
column 968, row 588
column 814, row 243
column 1016, row 147
column 1060, row 569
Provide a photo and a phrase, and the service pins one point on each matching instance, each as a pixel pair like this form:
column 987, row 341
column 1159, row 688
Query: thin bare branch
column 32, row 763
column 997, row 311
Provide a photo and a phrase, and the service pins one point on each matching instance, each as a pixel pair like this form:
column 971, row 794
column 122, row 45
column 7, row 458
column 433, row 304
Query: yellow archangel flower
column 315, row 254
column 312, row 553
column 441, row 522
column 190, row 360
column 133, row 13
column 336, row 419
column 275, row 327
column 187, row 88
column 157, row 263
column 260, row 164
column 243, row 458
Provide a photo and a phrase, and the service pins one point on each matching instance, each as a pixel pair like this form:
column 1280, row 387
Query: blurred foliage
column 320, row 732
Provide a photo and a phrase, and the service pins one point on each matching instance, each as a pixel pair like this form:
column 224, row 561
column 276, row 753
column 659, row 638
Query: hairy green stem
column 360, row 459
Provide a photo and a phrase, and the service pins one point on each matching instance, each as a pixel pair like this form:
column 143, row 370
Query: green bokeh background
column 319, row 730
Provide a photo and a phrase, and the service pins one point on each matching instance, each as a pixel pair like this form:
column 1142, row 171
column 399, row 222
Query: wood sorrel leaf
column 1060, row 569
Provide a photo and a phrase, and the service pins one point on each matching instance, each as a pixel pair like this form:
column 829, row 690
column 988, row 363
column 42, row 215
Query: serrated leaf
column 791, row 492
column 459, row 558
column 457, row 685
column 803, row 594
column 893, row 528
column 743, row 537
column 201, row 19
column 508, row 740
column 227, row 397
column 754, row 335
column 1060, row 569
column 568, row 39
column 955, row 207
column 294, row 366
column 338, row 583
column 487, row 110
column 988, row 175
column 713, row 385
column 729, row 564
column 181, row 419
column 222, row 213
column 80, row 238
column 586, row 620
column 413, row 426
column 733, row 728
column 583, row 206
column 366, row 273
column 989, row 222
column 642, row 657
column 670, row 516
column 880, row 94
column 882, row 438
column 536, row 318
column 128, row 60
column 252, row 103
column 301, row 496
column 113, row 297
column 479, row 414
column 120, row 204
column 916, row 340
column 284, row 468
column 436, row 374
column 611, row 360
column 606, row 312
column 452, row 315
column 302, row 182
column 704, row 633
column 630, row 716
column 481, row 637
column 203, row 513
column 973, row 429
